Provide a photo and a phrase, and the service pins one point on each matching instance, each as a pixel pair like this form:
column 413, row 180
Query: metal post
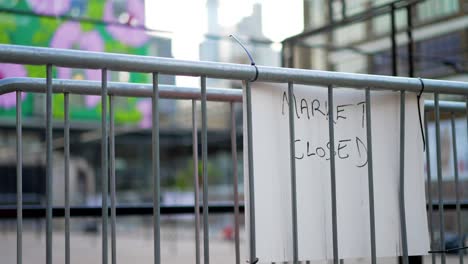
column 370, row 173
column 284, row 46
column 343, row 9
column 457, row 188
column 394, row 44
column 66, row 132
column 19, row 180
column 252, row 239
column 104, row 164
column 49, row 161
column 429, row 188
column 204, row 141
column 156, row 171
column 331, row 131
column 439, row 179
column 291, row 54
column 409, row 32
column 330, row 11
column 404, row 242
column 112, row 180
column 292, row 161
column 196, row 185
column 235, row 182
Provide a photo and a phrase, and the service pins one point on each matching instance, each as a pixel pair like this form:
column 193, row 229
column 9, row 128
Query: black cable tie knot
column 254, row 262
column 419, row 112
column 252, row 62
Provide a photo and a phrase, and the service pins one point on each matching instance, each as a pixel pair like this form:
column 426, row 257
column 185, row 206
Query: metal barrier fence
column 104, row 61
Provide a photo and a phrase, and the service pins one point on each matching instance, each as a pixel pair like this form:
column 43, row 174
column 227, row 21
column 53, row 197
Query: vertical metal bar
column 66, row 154
column 429, row 188
column 156, row 171
column 457, row 186
column 331, row 131
column 343, row 9
column 393, row 40
column 235, row 183
column 49, row 175
column 439, row 178
column 370, row 174
column 252, row 239
column 112, row 180
column 19, row 180
column 404, row 241
column 104, row 165
column 330, row 12
column 292, row 161
column 196, row 184
column 409, row 33
column 292, row 51
column 283, row 54
column 204, row 141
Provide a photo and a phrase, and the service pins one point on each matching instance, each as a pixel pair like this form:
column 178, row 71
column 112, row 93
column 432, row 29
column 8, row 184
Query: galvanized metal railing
column 104, row 61
column 452, row 108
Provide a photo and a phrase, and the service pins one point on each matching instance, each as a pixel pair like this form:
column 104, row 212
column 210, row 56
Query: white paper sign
column 272, row 177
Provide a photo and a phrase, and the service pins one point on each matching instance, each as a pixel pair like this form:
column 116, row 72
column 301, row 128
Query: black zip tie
column 419, row 113
column 252, row 62
column 446, row 251
column 254, row 262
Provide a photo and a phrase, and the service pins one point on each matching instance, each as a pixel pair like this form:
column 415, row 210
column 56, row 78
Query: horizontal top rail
column 447, row 106
column 134, row 63
column 38, row 85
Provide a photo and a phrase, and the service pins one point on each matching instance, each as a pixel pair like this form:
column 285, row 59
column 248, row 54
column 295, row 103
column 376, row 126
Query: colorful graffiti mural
column 44, row 27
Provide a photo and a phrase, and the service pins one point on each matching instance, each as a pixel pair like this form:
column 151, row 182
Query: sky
column 187, row 21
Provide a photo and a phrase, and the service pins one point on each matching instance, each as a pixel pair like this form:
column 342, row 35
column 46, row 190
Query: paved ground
column 177, row 247
column 133, row 246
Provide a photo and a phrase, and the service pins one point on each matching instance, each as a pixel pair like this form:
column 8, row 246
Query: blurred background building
column 340, row 35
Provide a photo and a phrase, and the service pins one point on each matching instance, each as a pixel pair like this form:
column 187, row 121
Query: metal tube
column 439, row 178
column 291, row 51
column 132, row 63
column 457, row 187
column 330, row 12
column 196, row 185
column 235, row 182
column 292, row 160
column 156, row 171
column 49, row 160
column 19, row 180
column 104, row 165
column 409, row 33
column 37, row 85
column 204, row 141
column 66, row 154
column 331, row 131
column 343, row 9
column 283, row 54
column 448, row 106
column 112, row 180
column 394, row 44
column 370, row 174
column 429, row 188
column 251, row 198
column 404, row 241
